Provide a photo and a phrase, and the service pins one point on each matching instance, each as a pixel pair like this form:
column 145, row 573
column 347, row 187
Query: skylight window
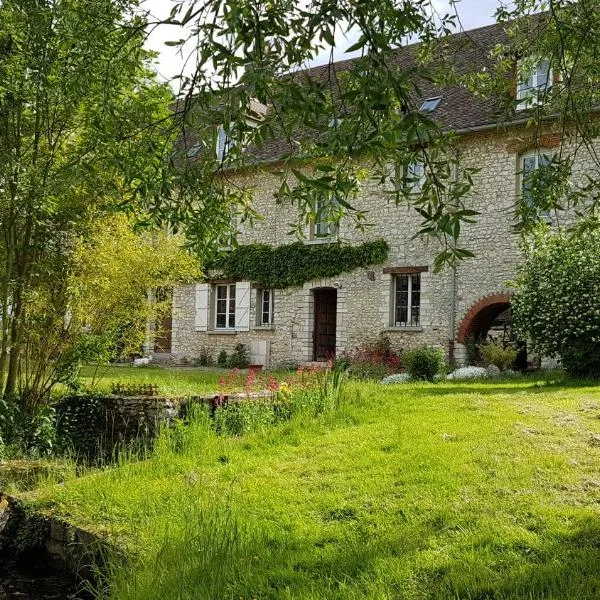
column 192, row 152
column 430, row 104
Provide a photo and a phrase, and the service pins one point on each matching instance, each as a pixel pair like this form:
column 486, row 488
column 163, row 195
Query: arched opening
column 489, row 319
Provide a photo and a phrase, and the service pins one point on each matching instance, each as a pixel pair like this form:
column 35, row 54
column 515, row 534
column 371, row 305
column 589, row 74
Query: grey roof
column 459, row 110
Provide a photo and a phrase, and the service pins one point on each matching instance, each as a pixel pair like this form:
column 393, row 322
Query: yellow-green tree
column 100, row 309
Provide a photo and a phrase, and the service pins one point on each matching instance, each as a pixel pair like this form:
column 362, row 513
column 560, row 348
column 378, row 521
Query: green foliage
column 581, row 359
column 496, row 354
column 239, row 358
column 557, row 304
column 240, row 418
column 32, row 433
column 295, row 264
column 365, row 371
column 372, row 359
column 204, row 359
column 84, row 137
column 373, row 106
column 223, row 359
column 424, row 363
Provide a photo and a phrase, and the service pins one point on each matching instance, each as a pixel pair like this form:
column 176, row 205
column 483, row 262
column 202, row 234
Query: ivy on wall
column 295, row 264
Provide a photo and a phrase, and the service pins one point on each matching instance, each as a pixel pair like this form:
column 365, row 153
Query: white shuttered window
column 202, row 306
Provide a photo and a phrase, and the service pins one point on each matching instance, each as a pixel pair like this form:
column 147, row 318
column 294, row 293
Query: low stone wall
column 32, row 538
column 98, row 424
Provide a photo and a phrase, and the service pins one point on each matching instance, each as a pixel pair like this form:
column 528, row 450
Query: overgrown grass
column 454, row 490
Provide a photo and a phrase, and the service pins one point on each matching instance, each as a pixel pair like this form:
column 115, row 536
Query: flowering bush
column 468, row 373
column 372, row 359
column 242, row 407
column 557, row 304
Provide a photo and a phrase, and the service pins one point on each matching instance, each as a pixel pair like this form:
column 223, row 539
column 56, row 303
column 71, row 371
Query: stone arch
column 481, row 315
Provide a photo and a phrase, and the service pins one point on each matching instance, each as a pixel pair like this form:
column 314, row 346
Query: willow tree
column 83, row 132
column 359, row 120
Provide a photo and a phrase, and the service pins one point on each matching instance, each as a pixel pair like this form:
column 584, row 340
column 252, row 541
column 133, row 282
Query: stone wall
column 364, row 294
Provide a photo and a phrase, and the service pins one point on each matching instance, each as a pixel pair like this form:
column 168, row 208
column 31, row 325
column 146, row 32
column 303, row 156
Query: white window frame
column 321, row 230
column 224, row 143
column 409, row 305
column 230, row 310
column 430, row 104
column 415, row 176
column 532, row 96
column 536, row 154
column 260, row 307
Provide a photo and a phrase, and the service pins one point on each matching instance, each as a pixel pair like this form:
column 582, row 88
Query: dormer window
column 430, row 104
column 193, row 151
column 224, row 144
column 533, row 83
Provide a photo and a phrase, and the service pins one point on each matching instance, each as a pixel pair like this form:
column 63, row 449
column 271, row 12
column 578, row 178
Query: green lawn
column 447, row 491
column 170, row 381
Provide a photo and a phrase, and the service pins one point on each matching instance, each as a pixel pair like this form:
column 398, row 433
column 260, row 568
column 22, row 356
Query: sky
column 472, row 13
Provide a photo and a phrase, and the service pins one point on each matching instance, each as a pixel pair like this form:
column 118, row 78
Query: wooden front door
column 325, row 324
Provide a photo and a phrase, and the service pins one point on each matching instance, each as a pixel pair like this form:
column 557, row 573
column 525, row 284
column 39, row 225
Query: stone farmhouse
column 402, row 297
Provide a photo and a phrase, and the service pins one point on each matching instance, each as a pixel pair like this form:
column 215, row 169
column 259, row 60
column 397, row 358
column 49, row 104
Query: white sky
column 472, row 13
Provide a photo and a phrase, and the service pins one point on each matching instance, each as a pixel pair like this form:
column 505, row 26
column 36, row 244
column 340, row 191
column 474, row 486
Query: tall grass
column 450, row 491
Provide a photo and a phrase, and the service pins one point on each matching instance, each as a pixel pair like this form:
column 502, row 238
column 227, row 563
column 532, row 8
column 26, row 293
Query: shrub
column 424, row 363
column 222, row 359
column 579, row 361
column 556, row 305
column 204, row 359
column 239, row 358
column 32, row 432
column 371, row 360
column 496, row 354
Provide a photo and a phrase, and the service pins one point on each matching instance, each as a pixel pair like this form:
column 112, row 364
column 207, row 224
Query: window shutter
column 242, row 305
column 202, row 306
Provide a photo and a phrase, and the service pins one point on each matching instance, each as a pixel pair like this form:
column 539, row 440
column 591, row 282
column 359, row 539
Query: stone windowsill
column 324, row 240
column 405, row 329
column 264, row 328
column 222, row 332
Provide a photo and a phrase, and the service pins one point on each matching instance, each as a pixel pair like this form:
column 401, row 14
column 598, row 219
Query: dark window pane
column 401, row 299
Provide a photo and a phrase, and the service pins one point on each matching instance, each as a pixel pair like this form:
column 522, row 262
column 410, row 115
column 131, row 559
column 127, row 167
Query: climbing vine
column 295, row 264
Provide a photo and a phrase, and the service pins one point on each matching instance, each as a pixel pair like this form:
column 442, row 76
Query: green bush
column 580, row 361
column 31, row 432
column 222, row 359
column 496, row 354
column 557, row 305
column 424, row 363
column 204, row 359
column 239, row 358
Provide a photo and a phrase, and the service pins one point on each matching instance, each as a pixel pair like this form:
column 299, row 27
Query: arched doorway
column 490, row 319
